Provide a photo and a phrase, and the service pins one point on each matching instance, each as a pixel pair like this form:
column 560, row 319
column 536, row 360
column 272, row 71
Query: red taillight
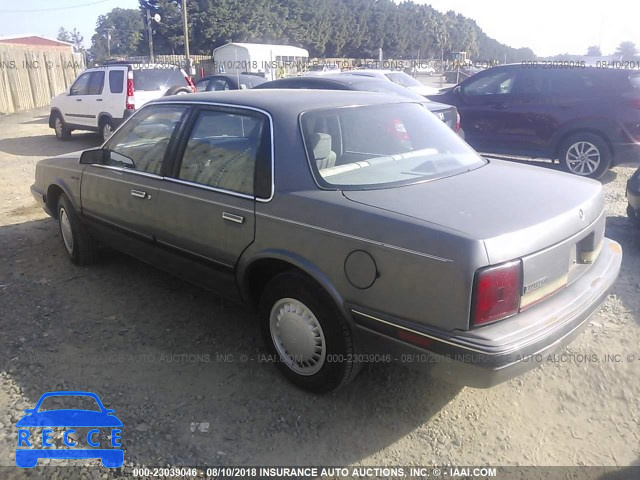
column 496, row 293
column 397, row 130
column 458, row 125
column 131, row 103
column 635, row 102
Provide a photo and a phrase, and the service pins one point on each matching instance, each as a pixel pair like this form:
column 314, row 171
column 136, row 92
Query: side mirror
column 95, row 156
column 30, row 410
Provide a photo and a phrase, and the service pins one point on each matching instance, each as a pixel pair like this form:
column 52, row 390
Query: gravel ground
column 166, row 356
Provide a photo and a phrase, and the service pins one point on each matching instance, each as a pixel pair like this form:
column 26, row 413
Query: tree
column 594, row 51
column 63, row 35
column 123, row 28
column 77, row 40
column 627, row 50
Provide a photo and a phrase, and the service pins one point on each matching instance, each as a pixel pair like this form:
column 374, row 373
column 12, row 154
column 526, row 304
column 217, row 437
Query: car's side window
column 219, row 84
column 222, row 149
column 116, row 81
column 81, row 85
column 142, row 143
column 498, row 83
column 96, row 83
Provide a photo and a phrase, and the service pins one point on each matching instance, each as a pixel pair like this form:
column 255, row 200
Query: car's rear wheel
column 81, row 247
column 586, row 155
column 106, row 129
column 306, row 333
column 61, row 130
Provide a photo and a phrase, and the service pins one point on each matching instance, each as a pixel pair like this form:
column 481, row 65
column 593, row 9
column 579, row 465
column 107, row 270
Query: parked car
column 398, row 77
column 238, row 81
column 358, row 225
column 633, row 197
column 101, row 98
column 322, row 69
column 446, row 113
column 586, row 118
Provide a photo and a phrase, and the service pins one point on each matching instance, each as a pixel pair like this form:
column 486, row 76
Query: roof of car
column 286, row 100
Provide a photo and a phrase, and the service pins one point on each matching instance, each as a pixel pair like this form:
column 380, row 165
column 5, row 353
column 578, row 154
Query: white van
column 101, row 98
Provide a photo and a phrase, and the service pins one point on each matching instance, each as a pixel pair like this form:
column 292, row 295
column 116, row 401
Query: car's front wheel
column 306, row 333
column 61, row 130
column 586, row 155
column 81, row 247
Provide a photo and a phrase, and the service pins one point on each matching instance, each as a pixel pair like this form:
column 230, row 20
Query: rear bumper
column 485, row 360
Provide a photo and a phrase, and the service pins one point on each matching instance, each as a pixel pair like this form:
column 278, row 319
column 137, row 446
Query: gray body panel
column 426, row 241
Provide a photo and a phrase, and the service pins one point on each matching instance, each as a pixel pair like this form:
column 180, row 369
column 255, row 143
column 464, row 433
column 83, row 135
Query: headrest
column 321, row 145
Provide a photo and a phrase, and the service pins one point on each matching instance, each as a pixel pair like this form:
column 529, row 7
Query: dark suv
column 588, row 118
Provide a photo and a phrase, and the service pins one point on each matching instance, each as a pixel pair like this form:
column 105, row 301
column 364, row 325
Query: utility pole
column 150, row 35
column 185, row 26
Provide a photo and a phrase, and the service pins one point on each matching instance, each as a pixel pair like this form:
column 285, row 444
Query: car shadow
column 627, row 234
column 48, row 145
column 185, row 371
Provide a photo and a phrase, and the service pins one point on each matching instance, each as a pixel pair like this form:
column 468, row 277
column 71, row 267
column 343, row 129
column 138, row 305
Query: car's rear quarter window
column 116, row 81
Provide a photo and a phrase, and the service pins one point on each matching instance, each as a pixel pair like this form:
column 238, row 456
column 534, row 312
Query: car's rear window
column 378, row 146
column 149, row 79
column 403, row 79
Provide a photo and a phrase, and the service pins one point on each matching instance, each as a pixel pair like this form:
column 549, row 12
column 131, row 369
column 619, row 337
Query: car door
column 484, row 103
column 76, row 109
column 206, row 205
column 94, row 100
column 122, row 191
column 115, row 95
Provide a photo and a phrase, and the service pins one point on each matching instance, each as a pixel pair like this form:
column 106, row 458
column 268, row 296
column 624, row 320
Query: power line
column 52, row 9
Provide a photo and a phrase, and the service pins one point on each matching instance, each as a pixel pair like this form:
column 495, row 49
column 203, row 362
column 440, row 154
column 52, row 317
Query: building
column 38, row 41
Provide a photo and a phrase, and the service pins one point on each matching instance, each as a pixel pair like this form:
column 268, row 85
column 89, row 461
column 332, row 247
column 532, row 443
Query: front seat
column 322, row 153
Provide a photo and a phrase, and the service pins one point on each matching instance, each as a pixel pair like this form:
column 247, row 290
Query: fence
column 30, row 77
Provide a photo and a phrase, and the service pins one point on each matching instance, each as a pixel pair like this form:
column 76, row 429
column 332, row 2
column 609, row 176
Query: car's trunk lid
column 549, row 219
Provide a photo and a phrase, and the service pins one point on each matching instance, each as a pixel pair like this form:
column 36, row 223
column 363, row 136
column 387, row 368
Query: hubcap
column 297, row 336
column 107, row 131
column 58, row 127
column 583, row 158
column 65, row 229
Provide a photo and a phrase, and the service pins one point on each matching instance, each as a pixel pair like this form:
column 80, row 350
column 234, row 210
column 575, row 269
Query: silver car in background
column 359, row 226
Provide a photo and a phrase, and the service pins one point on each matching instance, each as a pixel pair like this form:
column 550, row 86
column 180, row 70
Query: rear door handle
column 78, row 99
column 98, row 99
column 232, row 217
column 139, row 194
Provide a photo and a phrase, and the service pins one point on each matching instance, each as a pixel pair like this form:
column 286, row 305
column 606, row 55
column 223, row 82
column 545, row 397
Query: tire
column 586, row 155
column 177, row 91
column 633, row 215
column 61, row 131
column 296, row 311
column 81, row 247
column 106, row 129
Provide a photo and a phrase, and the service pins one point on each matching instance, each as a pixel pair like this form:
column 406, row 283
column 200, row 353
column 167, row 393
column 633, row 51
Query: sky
column 547, row 26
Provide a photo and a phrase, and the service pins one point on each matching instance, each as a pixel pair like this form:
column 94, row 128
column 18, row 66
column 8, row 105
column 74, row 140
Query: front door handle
column 98, row 99
column 139, row 194
column 232, row 217
column 78, row 99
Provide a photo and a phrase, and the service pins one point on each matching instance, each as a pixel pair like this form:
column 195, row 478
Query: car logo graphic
column 27, row 456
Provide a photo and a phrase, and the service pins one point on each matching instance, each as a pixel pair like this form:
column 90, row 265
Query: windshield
column 65, row 402
column 148, row 79
column 403, row 79
column 381, row 146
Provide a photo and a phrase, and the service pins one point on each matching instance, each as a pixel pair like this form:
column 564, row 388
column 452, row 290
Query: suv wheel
column 59, row 127
column 177, row 91
column 106, row 129
column 80, row 246
column 585, row 154
column 306, row 333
